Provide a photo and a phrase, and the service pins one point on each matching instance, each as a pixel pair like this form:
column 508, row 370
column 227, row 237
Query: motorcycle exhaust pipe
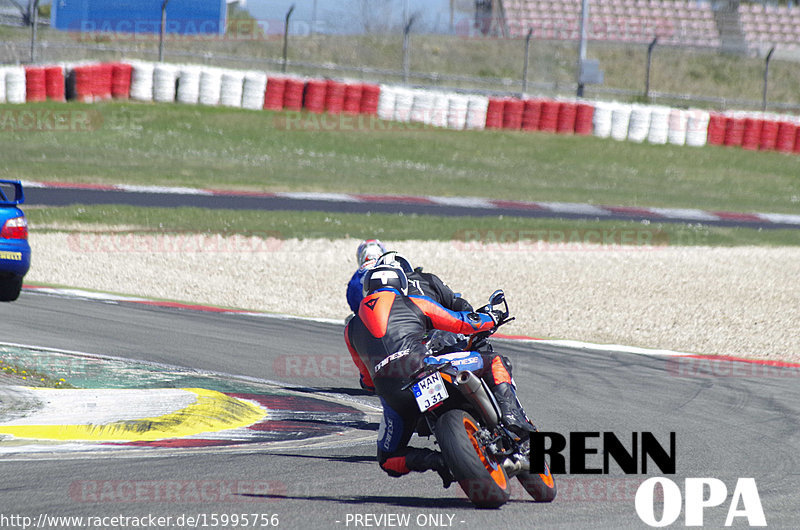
column 475, row 391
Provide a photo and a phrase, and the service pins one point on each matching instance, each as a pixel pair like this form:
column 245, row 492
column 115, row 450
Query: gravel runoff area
column 742, row 301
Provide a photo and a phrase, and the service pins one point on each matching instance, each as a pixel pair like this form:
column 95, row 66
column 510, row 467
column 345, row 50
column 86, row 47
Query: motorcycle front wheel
column 484, row 481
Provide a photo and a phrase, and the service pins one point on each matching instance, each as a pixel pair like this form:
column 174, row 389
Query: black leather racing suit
column 385, row 340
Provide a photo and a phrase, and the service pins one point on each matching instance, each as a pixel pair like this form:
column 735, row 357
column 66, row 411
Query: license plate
column 430, row 392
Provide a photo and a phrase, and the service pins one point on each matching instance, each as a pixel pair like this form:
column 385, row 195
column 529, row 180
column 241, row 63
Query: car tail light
column 16, row 228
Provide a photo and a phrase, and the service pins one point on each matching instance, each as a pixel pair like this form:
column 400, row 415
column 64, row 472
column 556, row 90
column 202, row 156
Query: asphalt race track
column 729, row 423
column 65, row 196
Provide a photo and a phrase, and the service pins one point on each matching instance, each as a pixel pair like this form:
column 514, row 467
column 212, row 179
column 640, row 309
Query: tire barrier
column 353, row 93
column 386, row 102
column 273, row 97
column 370, row 98
column 441, row 106
column 716, row 128
column 334, row 97
column 567, row 112
column 658, row 132
column 189, row 84
column 678, row 123
column 531, row 114
column 639, row 123
column 142, row 81
column 293, row 94
column 231, row 88
column 620, row 121
column 165, row 78
column 697, row 128
column 193, row 84
column 314, row 95
column 254, row 90
column 734, row 131
column 786, row 137
column 457, row 109
column 15, row 84
column 403, row 103
column 422, row 107
column 210, row 86
column 603, row 118
column 548, row 119
column 3, row 84
column 477, row 112
column 120, row 81
column 584, row 117
column 512, row 114
column 35, row 84
column 769, row 134
column 752, row 133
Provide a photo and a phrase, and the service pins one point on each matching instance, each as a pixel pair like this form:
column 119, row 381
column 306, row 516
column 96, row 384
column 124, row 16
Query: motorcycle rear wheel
column 540, row 486
column 484, row 481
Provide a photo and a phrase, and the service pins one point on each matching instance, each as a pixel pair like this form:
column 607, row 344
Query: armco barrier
column 161, row 82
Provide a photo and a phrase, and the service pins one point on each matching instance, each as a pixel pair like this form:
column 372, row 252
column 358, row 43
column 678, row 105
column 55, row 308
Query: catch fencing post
column 647, row 68
column 35, row 19
column 407, row 47
column 527, row 54
column 162, row 31
column 286, row 39
column 766, row 78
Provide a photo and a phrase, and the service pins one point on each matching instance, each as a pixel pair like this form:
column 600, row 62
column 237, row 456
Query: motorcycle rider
column 372, row 252
column 367, row 256
column 385, row 339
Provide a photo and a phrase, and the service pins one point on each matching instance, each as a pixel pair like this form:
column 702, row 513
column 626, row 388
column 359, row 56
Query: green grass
column 175, row 145
column 501, row 231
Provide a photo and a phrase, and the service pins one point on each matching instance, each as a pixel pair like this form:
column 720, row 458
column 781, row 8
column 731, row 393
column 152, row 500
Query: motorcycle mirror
column 497, row 297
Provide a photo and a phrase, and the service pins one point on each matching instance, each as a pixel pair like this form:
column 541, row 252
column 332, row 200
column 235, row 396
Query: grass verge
column 507, row 233
column 195, row 146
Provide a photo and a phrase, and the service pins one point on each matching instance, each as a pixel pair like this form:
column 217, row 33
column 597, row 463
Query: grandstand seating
column 765, row 26
column 637, row 21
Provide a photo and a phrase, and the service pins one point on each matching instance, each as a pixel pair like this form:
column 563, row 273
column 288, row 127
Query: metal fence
column 528, row 72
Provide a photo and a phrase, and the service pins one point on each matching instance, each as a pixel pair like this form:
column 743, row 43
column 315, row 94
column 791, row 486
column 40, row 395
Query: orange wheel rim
column 494, row 470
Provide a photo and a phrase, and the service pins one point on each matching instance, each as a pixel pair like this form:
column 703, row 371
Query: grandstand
column 767, row 26
column 631, row 21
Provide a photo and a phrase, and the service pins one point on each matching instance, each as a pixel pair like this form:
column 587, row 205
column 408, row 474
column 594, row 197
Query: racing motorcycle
column 459, row 409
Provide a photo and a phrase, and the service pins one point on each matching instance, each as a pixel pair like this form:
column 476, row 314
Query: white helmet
column 368, row 252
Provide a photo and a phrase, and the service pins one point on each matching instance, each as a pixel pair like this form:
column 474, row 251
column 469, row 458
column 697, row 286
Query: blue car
column 15, row 252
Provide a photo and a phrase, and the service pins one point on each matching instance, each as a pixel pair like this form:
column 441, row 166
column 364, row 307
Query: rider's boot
column 420, row 459
column 514, row 416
